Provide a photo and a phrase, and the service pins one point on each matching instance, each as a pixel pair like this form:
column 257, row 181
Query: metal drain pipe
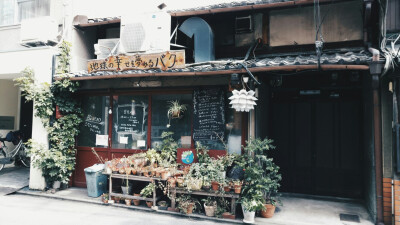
column 376, row 70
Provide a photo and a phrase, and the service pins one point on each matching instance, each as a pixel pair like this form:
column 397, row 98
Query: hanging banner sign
column 162, row 60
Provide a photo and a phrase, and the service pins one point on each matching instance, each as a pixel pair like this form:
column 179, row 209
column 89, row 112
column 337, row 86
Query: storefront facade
column 318, row 109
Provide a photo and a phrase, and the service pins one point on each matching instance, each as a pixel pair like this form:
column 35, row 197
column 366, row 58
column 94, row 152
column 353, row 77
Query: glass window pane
column 130, row 122
column 95, row 110
column 6, row 12
column 42, row 8
column 26, row 10
column 160, row 122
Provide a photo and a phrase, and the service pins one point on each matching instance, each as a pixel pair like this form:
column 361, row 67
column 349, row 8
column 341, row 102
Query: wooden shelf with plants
column 251, row 179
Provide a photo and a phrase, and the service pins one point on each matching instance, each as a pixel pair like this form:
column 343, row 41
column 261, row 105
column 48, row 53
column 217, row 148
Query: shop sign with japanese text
column 163, row 61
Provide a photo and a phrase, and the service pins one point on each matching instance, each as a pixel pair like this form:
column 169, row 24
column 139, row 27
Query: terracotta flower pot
column 228, row 215
column 149, row 204
column 133, row 171
column 238, row 189
column 136, row 201
column 189, row 209
column 227, row 189
column 269, row 211
column 128, row 202
column 215, row 185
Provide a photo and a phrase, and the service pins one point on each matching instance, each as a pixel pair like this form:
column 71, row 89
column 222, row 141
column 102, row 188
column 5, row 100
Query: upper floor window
column 14, row 11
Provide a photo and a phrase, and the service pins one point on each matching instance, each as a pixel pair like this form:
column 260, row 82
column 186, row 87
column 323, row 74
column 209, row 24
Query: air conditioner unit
column 149, row 32
column 39, row 31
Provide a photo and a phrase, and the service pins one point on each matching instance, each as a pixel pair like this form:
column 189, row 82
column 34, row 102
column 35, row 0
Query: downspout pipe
column 376, row 70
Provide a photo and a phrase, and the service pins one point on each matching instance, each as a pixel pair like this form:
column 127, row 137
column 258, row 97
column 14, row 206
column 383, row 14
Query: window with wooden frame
column 135, row 121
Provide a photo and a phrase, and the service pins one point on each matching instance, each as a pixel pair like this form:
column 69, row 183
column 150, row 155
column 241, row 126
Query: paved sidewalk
column 13, row 178
column 295, row 210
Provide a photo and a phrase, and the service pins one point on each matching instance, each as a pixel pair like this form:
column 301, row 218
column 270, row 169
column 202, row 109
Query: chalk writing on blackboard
column 209, row 114
column 131, row 118
column 95, row 124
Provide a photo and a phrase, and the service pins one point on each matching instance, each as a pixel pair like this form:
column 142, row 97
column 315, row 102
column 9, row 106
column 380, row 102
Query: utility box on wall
column 343, row 22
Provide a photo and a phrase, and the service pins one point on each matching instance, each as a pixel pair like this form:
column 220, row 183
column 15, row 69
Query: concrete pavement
column 13, row 178
column 23, row 209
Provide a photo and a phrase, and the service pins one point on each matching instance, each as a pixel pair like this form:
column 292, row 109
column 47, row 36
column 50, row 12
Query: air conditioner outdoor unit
column 148, row 32
column 39, row 31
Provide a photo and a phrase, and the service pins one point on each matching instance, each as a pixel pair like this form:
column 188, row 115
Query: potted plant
column 250, row 204
column 126, row 189
column 210, row 205
column 153, row 157
column 128, row 202
column 206, row 184
column 227, row 186
column 162, row 205
column 179, row 181
column 105, row 198
column 222, row 209
column 193, row 180
column 187, row 204
column 148, row 192
column 261, row 176
column 136, row 201
column 237, row 186
column 176, row 109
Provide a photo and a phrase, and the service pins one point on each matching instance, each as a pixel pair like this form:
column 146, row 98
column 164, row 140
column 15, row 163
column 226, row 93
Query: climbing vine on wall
column 58, row 162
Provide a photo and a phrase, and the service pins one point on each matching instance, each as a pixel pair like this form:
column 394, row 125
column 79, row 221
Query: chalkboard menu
column 208, row 114
column 131, row 117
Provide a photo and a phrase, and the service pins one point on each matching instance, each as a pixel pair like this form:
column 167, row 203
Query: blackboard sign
column 6, row 123
column 132, row 117
column 208, row 114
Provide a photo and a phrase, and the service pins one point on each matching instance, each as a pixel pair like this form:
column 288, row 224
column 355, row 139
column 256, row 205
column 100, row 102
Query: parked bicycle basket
column 14, row 137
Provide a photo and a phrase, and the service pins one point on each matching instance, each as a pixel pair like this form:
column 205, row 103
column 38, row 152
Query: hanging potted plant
column 176, row 109
column 147, row 192
column 187, row 204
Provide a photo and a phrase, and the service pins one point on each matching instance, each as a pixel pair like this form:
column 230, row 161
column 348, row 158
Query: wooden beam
column 225, row 72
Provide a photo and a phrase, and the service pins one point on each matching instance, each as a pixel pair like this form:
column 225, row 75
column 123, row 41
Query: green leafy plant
column 261, row 175
column 175, row 109
column 153, row 156
column 148, row 190
column 58, row 161
column 168, row 148
column 209, row 201
column 186, row 201
column 222, row 206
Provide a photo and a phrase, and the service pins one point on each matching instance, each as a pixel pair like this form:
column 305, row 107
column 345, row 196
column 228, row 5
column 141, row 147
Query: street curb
column 137, row 208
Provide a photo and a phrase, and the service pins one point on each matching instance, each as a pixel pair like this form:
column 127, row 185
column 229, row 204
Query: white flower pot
column 126, row 190
column 248, row 216
column 56, row 184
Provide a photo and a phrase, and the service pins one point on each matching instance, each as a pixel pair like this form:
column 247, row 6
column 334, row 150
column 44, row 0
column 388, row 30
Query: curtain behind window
column 33, row 8
column 6, row 12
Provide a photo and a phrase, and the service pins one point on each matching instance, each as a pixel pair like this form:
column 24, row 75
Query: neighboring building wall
column 9, row 100
column 40, row 60
column 11, row 36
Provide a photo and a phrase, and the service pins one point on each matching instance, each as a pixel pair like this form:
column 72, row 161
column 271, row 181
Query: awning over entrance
column 349, row 60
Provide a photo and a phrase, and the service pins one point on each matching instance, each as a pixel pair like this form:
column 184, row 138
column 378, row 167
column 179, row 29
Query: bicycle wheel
column 2, row 156
column 25, row 160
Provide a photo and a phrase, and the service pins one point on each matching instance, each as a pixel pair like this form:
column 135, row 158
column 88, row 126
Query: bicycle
column 18, row 154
